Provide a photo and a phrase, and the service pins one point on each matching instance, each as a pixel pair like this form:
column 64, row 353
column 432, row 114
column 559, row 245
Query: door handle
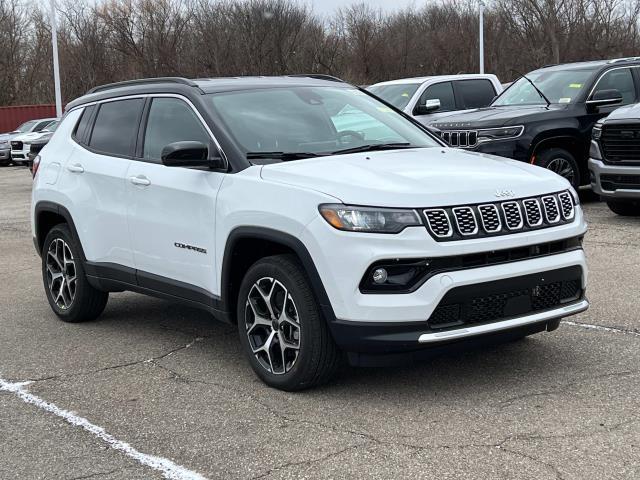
column 140, row 180
column 76, row 168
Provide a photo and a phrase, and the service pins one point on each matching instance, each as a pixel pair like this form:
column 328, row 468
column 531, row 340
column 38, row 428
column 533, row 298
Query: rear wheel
column 70, row 295
column 561, row 162
column 627, row 208
column 282, row 331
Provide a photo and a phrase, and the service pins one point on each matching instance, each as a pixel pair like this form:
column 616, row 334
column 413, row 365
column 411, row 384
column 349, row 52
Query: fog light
column 379, row 276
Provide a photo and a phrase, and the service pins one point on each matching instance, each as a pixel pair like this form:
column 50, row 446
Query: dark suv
column 546, row 118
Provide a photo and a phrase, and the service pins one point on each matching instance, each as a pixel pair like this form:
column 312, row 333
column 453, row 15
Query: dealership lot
column 172, row 383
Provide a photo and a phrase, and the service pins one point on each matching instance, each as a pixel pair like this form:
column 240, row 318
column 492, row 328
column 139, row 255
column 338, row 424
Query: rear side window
column 443, row 92
column 80, row 132
column 475, row 93
column 116, row 127
column 171, row 120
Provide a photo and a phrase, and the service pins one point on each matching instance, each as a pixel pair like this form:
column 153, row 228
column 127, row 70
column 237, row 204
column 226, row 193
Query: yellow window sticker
column 405, row 94
column 385, row 109
column 575, row 85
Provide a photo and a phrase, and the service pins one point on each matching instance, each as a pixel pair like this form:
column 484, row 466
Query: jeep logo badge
column 505, row 193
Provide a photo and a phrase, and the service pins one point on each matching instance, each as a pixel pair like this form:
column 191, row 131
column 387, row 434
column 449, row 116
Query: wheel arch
column 49, row 214
column 569, row 141
column 246, row 245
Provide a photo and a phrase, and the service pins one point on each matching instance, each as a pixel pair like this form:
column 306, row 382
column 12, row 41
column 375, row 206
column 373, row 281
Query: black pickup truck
column 546, row 117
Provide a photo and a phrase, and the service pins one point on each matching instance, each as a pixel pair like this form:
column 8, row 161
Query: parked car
column 245, row 197
column 27, row 127
column 614, row 162
column 21, row 144
column 429, row 98
column 546, row 117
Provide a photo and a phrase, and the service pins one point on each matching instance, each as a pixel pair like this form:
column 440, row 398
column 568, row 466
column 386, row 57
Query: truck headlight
column 369, row 219
column 502, row 133
column 594, row 151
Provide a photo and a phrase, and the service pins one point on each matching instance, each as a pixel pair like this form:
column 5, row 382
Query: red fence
column 12, row 117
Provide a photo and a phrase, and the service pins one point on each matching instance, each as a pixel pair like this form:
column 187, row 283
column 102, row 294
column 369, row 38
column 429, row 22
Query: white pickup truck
column 429, row 98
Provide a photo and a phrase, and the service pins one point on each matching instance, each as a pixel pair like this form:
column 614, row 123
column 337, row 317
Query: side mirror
column 190, row 154
column 431, row 105
column 602, row 98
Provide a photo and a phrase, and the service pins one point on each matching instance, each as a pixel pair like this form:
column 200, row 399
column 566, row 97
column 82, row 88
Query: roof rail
column 625, row 59
column 144, row 81
column 318, row 76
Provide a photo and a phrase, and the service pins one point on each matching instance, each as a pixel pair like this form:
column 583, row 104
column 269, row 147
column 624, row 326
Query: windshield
column 558, row 86
column 315, row 120
column 397, row 95
column 26, row 126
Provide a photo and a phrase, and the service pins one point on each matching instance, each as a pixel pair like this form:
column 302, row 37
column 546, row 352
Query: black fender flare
column 276, row 236
column 46, row 206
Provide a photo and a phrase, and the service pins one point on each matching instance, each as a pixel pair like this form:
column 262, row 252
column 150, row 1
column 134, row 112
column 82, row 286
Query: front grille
column 551, row 210
column 512, row 297
column 621, row 143
column 438, row 223
column 15, row 145
column 460, row 138
column 465, row 220
column 461, row 222
column 612, row 183
column 532, row 212
column 512, row 215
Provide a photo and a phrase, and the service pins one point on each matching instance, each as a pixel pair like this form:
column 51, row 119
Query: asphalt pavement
column 158, row 390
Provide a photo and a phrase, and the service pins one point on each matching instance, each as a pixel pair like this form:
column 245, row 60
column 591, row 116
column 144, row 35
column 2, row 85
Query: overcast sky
column 329, row 6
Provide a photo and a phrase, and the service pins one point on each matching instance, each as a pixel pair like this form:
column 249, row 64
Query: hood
column 421, row 177
column 29, row 137
column 496, row 116
column 630, row 112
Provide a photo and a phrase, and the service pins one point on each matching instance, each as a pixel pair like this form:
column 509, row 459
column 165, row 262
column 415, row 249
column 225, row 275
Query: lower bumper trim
column 449, row 335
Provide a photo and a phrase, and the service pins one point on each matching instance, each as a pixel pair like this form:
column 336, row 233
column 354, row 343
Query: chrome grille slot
column 512, row 215
column 532, row 212
column 465, row 220
column 460, row 138
column 438, row 222
column 490, row 218
column 566, row 205
column 551, row 210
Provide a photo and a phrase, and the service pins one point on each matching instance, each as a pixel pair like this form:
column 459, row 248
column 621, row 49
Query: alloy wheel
column 272, row 325
column 61, row 273
column 562, row 167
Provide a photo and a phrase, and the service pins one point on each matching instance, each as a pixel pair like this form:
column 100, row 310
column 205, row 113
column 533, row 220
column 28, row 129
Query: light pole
column 481, row 2
column 56, row 67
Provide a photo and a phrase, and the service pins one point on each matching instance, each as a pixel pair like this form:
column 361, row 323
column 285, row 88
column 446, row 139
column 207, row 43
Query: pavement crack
column 100, row 474
column 310, row 461
column 557, row 473
column 602, row 328
column 63, row 376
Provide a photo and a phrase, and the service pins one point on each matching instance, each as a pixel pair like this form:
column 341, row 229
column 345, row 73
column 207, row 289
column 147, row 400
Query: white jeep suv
column 261, row 201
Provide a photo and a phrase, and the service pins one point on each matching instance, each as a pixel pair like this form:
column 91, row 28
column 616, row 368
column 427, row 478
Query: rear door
column 171, row 210
column 94, row 177
column 475, row 93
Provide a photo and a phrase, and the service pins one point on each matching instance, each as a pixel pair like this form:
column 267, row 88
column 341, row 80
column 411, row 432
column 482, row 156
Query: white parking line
column 165, row 466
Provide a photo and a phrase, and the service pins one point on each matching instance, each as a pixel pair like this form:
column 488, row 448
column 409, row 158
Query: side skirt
column 111, row 277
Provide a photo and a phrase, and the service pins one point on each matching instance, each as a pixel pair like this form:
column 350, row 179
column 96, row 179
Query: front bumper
column 5, row 154
column 19, row 157
column 597, row 168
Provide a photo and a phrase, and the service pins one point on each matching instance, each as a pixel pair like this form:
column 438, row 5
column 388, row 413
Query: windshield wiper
column 544, row 97
column 284, row 156
column 373, row 147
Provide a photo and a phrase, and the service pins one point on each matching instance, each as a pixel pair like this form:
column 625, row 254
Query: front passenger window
column 620, row 79
column 443, row 92
column 171, row 120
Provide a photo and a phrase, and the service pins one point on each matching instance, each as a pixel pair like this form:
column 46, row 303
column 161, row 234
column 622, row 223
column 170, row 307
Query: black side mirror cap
column 605, row 97
column 190, row 154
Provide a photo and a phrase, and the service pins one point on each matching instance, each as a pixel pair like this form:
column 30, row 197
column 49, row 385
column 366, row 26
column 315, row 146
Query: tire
column 561, row 162
column 5, row 163
column 624, row 208
column 70, row 295
column 316, row 357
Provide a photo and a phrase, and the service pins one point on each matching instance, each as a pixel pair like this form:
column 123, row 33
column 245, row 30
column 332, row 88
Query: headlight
column 369, row 219
column 4, row 143
column 596, row 133
column 574, row 194
column 503, row 133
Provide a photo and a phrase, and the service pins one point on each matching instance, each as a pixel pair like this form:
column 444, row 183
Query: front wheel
column 561, row 162
column 71, row 296
column 281, row 329
column 624, row 208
